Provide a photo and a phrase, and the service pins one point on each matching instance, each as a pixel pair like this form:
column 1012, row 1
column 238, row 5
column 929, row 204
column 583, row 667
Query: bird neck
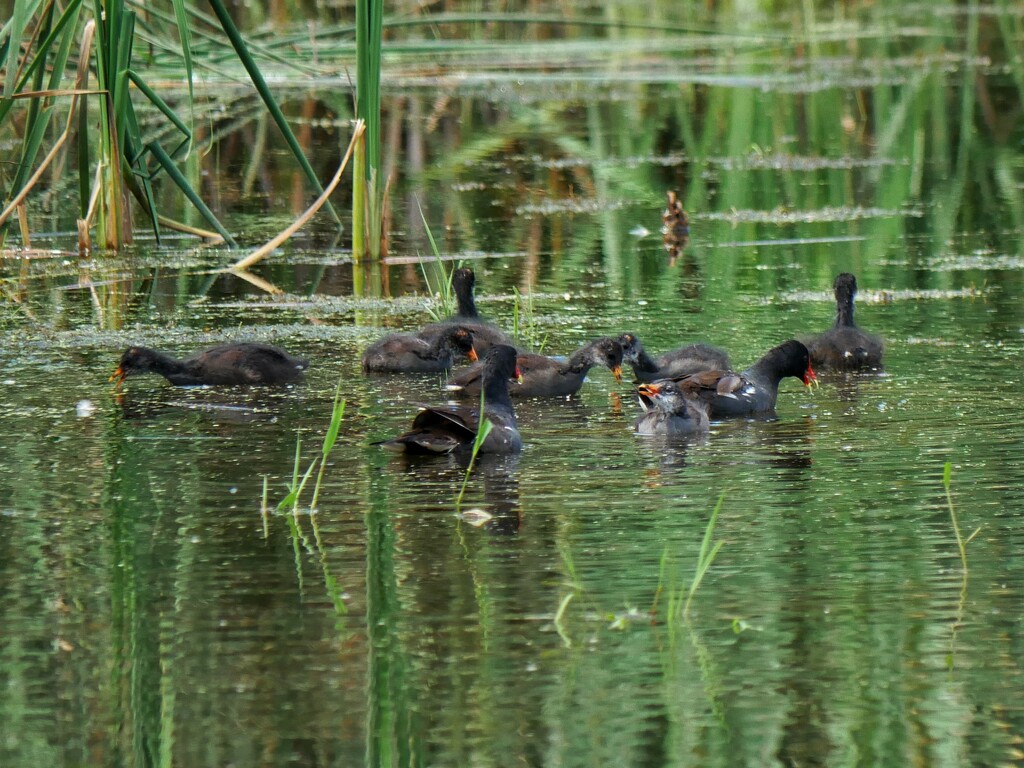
column 165, row 365
column 580, row 361
column 495, row 389
column 644, row 363
column 467, row 304
column 844, row 310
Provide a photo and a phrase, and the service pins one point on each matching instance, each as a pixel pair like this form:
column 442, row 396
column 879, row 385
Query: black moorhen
column 405, row 353
column 449, row 428
column 669, row 411
column 671, row 365
column 756, row 389
column 485, row 335
column 844, row 345
column 243, row 363
column 546, row 377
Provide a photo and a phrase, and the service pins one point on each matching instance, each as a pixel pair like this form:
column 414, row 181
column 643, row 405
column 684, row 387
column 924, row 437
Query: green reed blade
column 185, row 36
column 176, row 176
column 245, row 57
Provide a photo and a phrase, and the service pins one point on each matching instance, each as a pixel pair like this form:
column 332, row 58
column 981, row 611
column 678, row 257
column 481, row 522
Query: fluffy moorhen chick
column 671, row 365
column 669, row 411
column 756, row 389
column 546, row 377
column 451, row 428
column 485, row 335
column 244, row 363
column 405, row 353
column 844, row 345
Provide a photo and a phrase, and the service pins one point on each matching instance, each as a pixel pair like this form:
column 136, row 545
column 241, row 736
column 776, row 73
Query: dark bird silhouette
column 244, row 363
column 406, row 353
column 678, row 362
column 756, row 389
column 485, row 334
column 547, row 377
column 844, row 345
column 449, row 428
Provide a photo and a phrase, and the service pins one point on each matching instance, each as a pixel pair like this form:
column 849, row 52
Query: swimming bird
column 544, row 376
column 844, row 345
column 244, row 363
column 450, row 428
column 406, row 353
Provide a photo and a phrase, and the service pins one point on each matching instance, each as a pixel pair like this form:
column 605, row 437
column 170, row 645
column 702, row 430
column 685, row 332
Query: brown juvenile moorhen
column 756, row 389
column 449, row 428
column 485, row 335
column 669, row 411
column 547, row 377
column 405, row 353
column 844, row 345
column 243, row 363
column 671, row 365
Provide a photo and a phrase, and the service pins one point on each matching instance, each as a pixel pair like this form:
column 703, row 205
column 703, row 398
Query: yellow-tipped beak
column 617, row 373
column 648, row 389
column 810, row 377
column 118, row 375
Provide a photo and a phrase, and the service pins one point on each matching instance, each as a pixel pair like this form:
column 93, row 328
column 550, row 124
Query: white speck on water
column 9, row 382
column 642, row 302
column 84, row 409
column 232, row 489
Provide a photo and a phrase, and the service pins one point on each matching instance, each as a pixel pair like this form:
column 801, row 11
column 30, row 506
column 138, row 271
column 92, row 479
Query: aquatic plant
column 440, row 286
column 484, row 427
column 36, row 45
column 961, row 542
column 291, row 503
column 680, row 600
column 368, row 182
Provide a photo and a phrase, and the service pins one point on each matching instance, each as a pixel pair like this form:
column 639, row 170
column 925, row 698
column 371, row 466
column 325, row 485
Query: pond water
column 158, row 609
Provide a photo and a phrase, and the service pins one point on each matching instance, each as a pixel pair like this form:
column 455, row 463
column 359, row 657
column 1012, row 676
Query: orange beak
column 118, row 375
column 617, row 373
column 649, row 390
column 472, row 355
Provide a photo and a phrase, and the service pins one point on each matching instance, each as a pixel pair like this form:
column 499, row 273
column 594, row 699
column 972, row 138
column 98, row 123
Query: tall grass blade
column 706, row 556
column 179, row 179
column 484, row 427
column 245, row 57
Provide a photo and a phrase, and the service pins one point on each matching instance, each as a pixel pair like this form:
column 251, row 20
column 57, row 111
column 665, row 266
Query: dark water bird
column 547, row 377
column 669, row 411
column 671, row 365
column 449, row 428
column 244, row 363
column 844, row 345
column 406, row 353
column 756, row 389
column 485, row 334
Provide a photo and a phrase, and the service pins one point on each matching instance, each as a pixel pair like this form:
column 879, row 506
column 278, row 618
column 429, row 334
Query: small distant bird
column 675, row 227
column 244, row 363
